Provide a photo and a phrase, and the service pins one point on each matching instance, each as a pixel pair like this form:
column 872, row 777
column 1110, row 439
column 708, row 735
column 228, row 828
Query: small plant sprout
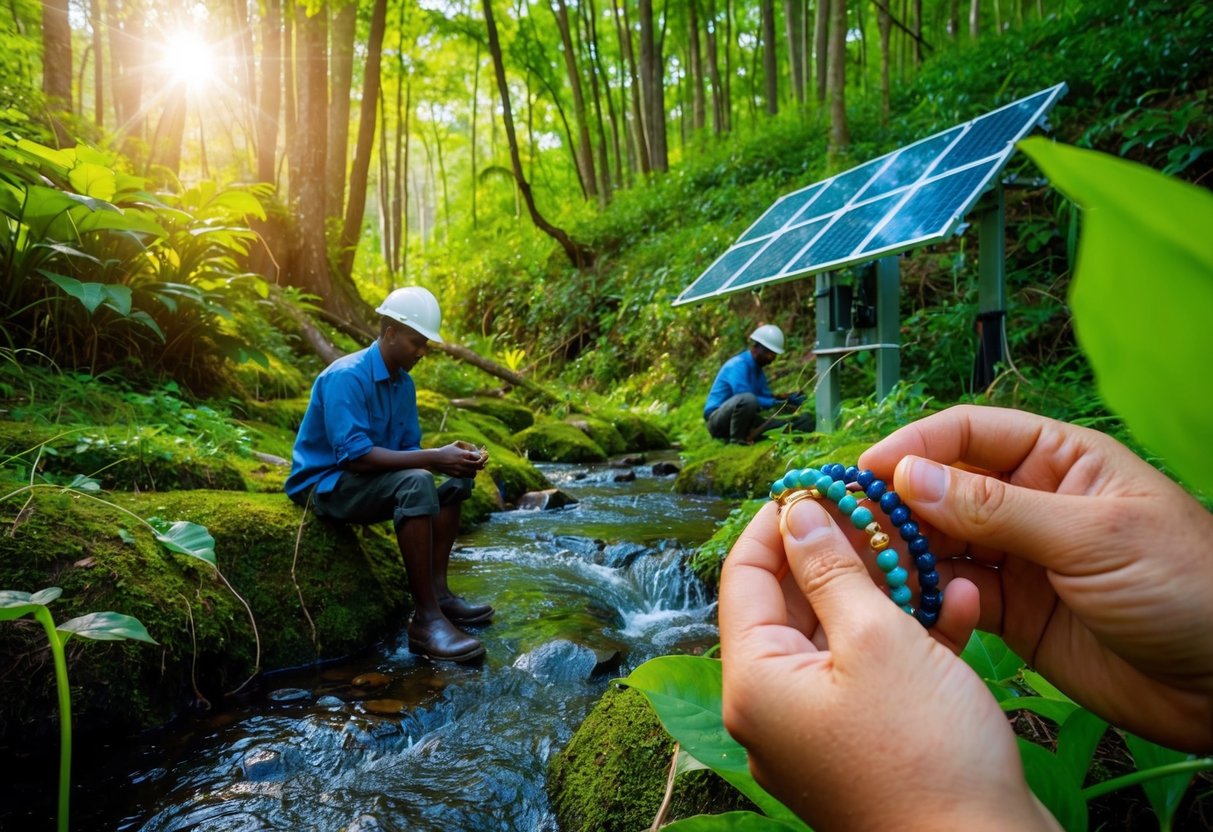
column 99, row 626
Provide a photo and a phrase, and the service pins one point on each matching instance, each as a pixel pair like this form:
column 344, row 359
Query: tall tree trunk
column 640, row 138
column 352, row 227
column 916, row 39
column 242, row 36
column 770, row 63
column 793, row 18
column 387, row 199
column 652, row 89
column 727, row 86
column 884, row 23
column 475, row 109
column 840, row 136
column 290, row 92
column 695, row 57
column 402, row 176
column 57, row 65
column 598, row 69
column 591, row 49
column 821, row 40
column 974, row 18
column 954, row 19
column 578, row 254
column 446, row 200
column 270, row 100
column 585, row 151
column 342, row 72
column 94, row 10
column 718, row 120
column 307, row 195
column 126, row 73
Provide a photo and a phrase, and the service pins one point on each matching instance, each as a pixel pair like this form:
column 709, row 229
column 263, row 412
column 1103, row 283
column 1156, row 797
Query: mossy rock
column 640, row 433
column 350, row 578
column 604, row 434
column 611, row 777
column 551, row 441
column 121, row 457
column 513, row 415
column 731, row 470
column 438, row 414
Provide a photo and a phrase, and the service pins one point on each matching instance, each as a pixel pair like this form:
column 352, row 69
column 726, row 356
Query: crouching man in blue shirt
column 740, row 391
column 358, row 459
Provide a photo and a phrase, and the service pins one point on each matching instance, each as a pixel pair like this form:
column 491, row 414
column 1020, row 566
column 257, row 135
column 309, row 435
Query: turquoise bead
column 778, row 487
column 897, row 577
column 906, row 608
column 886, row 560
column 823, row 483
column 837, row 490
column 804, row 478
column 901, row 595
column 861, row 517
column 848, row 504
column 811, row 476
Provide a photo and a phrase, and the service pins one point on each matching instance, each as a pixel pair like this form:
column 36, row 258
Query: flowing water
column 583, row 595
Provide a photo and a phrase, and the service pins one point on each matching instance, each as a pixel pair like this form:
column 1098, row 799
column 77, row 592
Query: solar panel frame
column 822, row 206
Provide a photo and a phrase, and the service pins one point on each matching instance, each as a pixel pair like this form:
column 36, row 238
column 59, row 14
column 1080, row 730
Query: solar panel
column 911, row 197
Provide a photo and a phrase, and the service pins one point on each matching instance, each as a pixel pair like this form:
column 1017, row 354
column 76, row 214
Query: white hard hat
column 770, row 336
column 416, row 308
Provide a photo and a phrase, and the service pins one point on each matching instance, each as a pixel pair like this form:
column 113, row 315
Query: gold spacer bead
column 879, row 541
column 873, row 527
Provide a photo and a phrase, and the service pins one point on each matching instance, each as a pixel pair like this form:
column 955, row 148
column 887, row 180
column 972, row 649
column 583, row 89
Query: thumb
column 831, row 575
column 985, row 511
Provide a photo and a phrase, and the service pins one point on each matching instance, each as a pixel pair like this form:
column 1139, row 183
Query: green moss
column 601, row 431
column 513, row 415
column 286, row 414
column 611, row 777
column 639, row 432
column 551, row 441
column 730, row 470
column 350, row 579
column 121, row 457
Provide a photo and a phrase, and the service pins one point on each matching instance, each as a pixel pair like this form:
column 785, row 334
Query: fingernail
column 921, row 480
column 807, row 520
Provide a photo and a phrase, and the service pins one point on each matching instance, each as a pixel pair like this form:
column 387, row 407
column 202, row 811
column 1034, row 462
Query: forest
column 201, row 206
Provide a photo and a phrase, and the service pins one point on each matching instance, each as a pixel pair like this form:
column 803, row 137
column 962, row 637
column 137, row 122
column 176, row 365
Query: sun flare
column 190, row 60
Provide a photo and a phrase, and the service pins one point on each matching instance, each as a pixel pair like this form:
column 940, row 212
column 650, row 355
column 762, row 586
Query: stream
column 583, row 595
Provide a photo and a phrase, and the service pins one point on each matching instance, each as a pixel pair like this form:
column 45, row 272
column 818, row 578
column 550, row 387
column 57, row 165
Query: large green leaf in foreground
column 1142, row 297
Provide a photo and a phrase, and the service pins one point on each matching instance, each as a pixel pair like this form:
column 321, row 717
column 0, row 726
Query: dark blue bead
column 925, row 562
column 909, row 530
column 850, row 474
column 927, row 619
column 889, row 501
column 835, row 470
column 918, row 545
column 931, row 600
column 899, row 516
column 928, row 580
column 865, row 478
column 876, row 490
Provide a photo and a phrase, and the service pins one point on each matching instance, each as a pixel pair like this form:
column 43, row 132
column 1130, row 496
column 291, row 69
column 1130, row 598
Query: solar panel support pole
column 829, row 391
column 991, row 273
column 888, row 325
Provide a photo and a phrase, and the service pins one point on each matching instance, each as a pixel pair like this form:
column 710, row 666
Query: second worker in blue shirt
column 741, row 391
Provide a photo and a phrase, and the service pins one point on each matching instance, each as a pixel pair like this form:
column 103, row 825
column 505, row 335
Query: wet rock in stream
column 558, row 661
column 548, row 499
column 262, row 765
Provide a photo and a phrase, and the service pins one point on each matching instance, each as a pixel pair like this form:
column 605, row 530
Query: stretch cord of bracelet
column 836, row 483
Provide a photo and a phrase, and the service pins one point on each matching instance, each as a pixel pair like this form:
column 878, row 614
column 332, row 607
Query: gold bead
column 879, row 541
column 873, row 527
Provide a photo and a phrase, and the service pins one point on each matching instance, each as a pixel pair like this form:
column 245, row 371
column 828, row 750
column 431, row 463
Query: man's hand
column 459, row 459
column 796, row 399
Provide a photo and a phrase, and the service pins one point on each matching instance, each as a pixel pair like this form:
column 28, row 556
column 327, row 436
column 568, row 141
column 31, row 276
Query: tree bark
column 356, row 208
column 793, row 18
column 884, row 23
column 578, row 254
column 640, row 139
column 57, row 64
column 718, row 119
column 698, row 101
column 475, row 109
column 308, row 192
column 590, row 44
column 585, row 151
column 974, row 18
column 652, row 89
column 840, row 136
column 270, row 98
column 770, row 63
column 600, row 69
column 821, row 40
column 342, row 72
column 94, row 7
column 290, row 93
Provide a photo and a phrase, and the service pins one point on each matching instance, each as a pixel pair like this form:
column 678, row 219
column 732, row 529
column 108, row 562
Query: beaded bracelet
column 836, row 482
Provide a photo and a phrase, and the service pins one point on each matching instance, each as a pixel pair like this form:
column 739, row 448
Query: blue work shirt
column 356, row 405
column 740, row 374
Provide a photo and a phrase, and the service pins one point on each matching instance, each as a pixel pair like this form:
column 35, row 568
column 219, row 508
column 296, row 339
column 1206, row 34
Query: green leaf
column 89, row 294
column 1076, row 743
column 93, row 180
column 1043, row 686
column 148, row 321
column 1053, row 709
column 685, row 692
column 126, row 537
column 1143, row 248
column 86, row 484
column 989, row 655
column 731, row 822
column 185, row 538
column 1164, row 793
column 15, row 604
column 105, row 626
column 1048, row 780
column 118, row 298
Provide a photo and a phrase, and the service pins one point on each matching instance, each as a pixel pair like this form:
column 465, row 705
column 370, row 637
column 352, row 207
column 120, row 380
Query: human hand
column 459, row 459
column 1092, row 565
column 796, row 399
column 854, row 715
